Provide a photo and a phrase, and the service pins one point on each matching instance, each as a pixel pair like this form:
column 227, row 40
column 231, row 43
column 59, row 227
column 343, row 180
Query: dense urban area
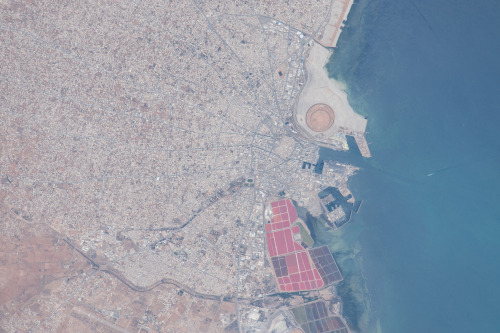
column 152, row 151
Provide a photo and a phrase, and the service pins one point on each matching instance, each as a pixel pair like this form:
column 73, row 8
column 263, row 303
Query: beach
column 426, row 237
column 320, row 89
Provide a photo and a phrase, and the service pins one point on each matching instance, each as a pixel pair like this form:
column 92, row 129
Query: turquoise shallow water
column 427, row 237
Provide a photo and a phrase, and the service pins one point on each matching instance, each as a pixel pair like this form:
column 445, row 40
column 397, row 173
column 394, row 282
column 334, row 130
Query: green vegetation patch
column 306, row 238
column 305, row 328
column 300, row 314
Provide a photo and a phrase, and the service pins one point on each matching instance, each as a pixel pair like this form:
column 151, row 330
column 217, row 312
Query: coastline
column 428, row 227
column 332, row 29
column 319, row 88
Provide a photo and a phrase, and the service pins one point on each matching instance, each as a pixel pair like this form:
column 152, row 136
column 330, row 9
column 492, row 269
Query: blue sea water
column 423, row 254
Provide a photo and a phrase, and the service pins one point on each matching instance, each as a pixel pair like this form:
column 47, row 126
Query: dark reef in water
column 352, row 309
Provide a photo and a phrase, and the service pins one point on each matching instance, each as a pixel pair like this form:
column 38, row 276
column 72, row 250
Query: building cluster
column 147, row 139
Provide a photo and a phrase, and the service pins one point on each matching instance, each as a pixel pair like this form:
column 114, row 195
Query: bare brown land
column 140, row 141
column 320, row 117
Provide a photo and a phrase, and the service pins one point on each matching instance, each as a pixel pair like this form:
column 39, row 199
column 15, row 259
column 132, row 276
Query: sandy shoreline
column 320, row 88
column 339, row 10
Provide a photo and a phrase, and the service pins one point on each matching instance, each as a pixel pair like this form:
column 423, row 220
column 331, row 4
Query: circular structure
column 320, row 117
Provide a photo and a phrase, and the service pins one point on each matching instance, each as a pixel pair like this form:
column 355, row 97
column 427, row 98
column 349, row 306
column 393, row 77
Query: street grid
column 125, row 127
